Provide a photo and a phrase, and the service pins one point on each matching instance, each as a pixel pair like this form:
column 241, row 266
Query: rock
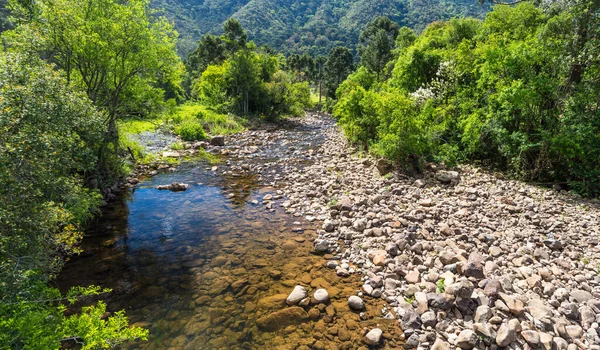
column 171, row 154
column 373, row 337
column 383, row 167
column 321, row 246
column 412, row 277
column 321, row 296
column 537, row 309
column 175, row 187
column 493, row 288
column 507, row 333
column 482, row 314
column 429, row 319
column 581, row 296
column 447, row 177
column 440, row 344
column 515, row 305
column 356, row 303
column 467, row 339
column 574, row 331
column 441, row 301
column 296, row 295
column 411, row 319
column 379, row 258
column 531, row 337
column 294, row 315
column 217, row 141
column 474, row 269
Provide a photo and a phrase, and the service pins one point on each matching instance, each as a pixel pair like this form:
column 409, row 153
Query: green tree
column 243, row 76
column 378, row 53
column 49, row 136
column 234, row 35
column 107, row 48
column 338, row 66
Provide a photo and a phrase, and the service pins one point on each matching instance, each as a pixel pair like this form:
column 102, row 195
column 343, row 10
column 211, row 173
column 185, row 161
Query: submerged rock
column 294, row 315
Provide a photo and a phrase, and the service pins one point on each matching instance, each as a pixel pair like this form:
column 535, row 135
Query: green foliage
column 515, row 91
column 42, row 323
column 50, row 134
column 441, row 285
column 338, row 66
column 190, row 130
column 119, row 53
column 309, row 26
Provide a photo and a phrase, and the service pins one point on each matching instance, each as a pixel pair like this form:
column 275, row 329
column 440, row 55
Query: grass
column 190, row 121
column 212, row 122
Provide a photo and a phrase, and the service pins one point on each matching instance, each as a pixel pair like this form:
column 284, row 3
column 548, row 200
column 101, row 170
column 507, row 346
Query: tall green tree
column 339, row 64
column 243, row 75
column 108, row 48
column 234, row 35
column 378, row 53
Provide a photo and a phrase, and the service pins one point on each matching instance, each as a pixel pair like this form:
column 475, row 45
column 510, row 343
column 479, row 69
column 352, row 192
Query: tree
column 243, row 76
column 373, row 28
column 376, row 44
column 210, row 50
column 107, row 47
column 49, row 136
column 234, row 35
column 338, row 66
column 377, row 53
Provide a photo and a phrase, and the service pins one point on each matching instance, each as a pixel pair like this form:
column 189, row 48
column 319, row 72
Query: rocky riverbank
column 461, row 258
column 454, row 258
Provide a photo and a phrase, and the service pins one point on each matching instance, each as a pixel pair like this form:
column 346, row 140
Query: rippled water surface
column 210, row 268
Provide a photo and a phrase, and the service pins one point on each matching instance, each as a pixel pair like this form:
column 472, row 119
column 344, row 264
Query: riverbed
column 211, row 267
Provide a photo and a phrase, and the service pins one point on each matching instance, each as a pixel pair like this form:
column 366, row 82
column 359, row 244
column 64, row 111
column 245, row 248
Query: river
column 210, row 268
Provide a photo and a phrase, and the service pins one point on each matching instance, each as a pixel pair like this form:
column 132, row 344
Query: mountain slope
column 313, row 26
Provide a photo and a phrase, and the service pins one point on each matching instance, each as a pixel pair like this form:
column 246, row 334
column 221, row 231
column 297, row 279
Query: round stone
column 321, row 296
column 356, row 303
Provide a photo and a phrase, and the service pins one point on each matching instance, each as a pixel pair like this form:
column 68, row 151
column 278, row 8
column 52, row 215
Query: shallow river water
column 210, row 268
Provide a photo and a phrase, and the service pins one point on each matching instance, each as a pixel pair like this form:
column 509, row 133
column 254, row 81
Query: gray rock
column 175, row 187
column 321, row 246
column 482, row 314
column 447, row 177
column 429, row 319
column 467, row 339
column 217, row 141
column 507, row 333
column 373, row 337
column 356, row 303
column 296, row 295
column 411, row 319
column 440, row 344
column 581, row 296
column 537, row 309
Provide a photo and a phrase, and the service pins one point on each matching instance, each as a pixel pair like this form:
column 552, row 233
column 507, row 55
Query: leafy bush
column 512, row 91
column 190, row 130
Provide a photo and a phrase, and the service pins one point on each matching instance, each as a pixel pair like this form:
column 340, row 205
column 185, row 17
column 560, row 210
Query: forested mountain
column 312, row 26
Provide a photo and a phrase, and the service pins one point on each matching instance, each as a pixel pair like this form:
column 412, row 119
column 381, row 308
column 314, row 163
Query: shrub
column 190, row 130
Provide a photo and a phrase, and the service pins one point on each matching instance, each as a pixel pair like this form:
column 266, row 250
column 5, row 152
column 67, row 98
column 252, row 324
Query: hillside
column 313, row 26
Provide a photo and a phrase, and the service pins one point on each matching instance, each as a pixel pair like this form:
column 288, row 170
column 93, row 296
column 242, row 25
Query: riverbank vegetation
column 517, row 91
column 77, row 78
